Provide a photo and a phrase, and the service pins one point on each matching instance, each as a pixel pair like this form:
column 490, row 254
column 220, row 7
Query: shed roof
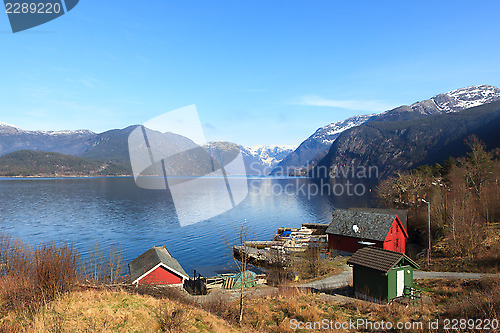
column 361, row 224
column 401, row 213
column 378, row 259
column 150, row 259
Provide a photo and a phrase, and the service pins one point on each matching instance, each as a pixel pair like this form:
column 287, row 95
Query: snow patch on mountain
column 329, row 133
column 269, row 155
column 464, row 98
column 53, row 133
column 8, row 125
column 9, row 129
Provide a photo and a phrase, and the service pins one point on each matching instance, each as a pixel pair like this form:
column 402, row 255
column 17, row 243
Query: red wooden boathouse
column 353, row 229
column 157, row 266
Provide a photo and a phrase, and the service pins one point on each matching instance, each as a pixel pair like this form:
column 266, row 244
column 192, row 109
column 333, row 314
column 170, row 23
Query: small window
column 397, row 243
column 397, row 228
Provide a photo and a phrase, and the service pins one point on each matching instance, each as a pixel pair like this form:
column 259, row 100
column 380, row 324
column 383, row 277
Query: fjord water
column 115, row 212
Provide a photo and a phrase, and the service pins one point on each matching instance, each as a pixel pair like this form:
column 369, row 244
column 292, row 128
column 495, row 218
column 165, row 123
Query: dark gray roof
column 379, row 259
column 370, row 225
column 151, row 258
column 402, row 213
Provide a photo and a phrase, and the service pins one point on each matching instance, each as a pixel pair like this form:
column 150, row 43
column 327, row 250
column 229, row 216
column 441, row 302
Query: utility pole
column 428, row 230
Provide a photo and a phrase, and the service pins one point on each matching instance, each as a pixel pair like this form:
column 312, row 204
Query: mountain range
column 424, row 132
column 315, row 148
column 392, row 146
column 112, row 147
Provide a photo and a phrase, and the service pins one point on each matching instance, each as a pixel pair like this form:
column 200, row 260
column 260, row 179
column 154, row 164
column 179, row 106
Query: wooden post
column 428, row 230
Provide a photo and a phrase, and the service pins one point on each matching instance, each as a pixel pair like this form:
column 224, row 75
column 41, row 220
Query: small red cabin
column 157, row 266
column 353, row 229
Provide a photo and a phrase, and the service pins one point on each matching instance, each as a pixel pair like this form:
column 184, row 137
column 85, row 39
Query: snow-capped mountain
column 13, row 138
column 13, row 129
column 464, row 98
column 452, row 101
column 8, row 128
column 7, row 125
column 113, row 145
column 423, row 139
column 316, row 146
column 270, row 155
column 327, row 134
column 259, row 160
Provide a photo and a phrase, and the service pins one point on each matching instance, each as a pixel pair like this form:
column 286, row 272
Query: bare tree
column 115, row 264
column 93, row 269
column 243, row 234
column 465, row 199
column 101, row 267
column 403, row 189
column 478, row 164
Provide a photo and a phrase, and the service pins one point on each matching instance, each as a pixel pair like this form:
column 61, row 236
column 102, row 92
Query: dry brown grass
column 123, row 311
column 117, row 311
column 310, row 271
column 273, row 313
column 33, row 276
column 223, row 307
column 465, row 298
column 486, row 261
column 176, row 294
column 445, row 299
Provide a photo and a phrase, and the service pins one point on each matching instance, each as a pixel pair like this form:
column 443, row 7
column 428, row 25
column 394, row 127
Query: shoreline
column 61, row 177
column 249, row 177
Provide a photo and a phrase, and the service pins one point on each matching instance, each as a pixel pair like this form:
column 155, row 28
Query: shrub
column 222, row 307
column 32, row 276
column 483, row 302
column 170, row 320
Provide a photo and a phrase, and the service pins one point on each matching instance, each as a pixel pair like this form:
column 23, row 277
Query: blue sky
column 259, row 72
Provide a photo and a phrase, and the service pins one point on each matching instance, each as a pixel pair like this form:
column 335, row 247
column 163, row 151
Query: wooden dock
column 278, row 252
column 318, row 228
column 260, row 257
column 262, row 244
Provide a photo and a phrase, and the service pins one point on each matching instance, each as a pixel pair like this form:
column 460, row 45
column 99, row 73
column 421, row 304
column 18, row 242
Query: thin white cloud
column 350, row 104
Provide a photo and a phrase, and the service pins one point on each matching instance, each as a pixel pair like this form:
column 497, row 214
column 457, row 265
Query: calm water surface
column 115, row 212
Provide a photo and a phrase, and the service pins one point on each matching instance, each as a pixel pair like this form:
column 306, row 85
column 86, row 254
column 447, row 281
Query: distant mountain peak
column 327, row 134
column 257, row 149
column 66, row 132
column 269, row 155
column 405, row 144
column 10, row 128
column 8, row 125
column 316, row 146
column 452, row 101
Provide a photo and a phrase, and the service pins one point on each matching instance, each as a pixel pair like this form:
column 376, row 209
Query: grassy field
column 118, row 310
column 114, row 311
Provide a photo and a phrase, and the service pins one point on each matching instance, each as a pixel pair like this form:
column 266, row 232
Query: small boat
column 289, row 233
column 296, row 244
column 303, row 231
